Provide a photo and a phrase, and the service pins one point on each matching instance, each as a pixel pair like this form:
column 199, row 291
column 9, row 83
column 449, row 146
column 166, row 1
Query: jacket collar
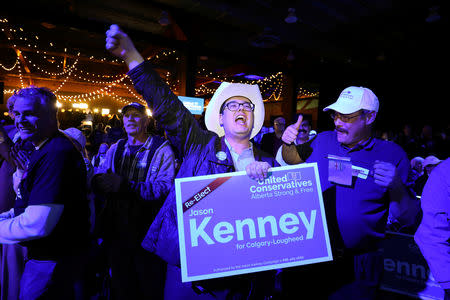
column 146, row 145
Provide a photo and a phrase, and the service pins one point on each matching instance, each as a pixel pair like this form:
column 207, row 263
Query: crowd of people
column 90, row 212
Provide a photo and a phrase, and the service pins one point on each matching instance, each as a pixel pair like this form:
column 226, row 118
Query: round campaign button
column 221, row 155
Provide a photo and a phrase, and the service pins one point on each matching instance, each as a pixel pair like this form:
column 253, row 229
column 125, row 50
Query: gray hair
column 42, row 95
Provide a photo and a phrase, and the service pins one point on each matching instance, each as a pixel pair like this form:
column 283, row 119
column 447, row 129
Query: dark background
column 388, row 46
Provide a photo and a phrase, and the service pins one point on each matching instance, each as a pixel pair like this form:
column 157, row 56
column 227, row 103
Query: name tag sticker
column 360, row 172
column 340, row 170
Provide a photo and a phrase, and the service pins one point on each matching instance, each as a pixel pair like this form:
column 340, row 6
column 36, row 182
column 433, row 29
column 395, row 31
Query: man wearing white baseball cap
column 429, row 163
column 234, row 115
column 362, row 179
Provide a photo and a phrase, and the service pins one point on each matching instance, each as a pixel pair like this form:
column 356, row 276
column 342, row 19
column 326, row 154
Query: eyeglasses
column 234, row 106
column 344, row 118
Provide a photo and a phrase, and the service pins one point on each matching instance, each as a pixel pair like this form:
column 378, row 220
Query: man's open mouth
column 240, row 119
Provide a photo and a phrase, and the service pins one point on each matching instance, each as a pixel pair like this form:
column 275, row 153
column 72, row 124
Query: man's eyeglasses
column 345, row 118
column 234, row 106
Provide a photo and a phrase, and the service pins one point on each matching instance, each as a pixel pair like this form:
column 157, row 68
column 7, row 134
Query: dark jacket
column 197, row 148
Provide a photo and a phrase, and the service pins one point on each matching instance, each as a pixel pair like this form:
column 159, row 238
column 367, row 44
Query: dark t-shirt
column 270, row 143
column 133, row 150
column 57, row 175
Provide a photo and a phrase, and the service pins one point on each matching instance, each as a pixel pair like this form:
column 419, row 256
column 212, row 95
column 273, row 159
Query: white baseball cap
column 77, row 135
column 225, row 91
column 353, row 99
column 431, row 160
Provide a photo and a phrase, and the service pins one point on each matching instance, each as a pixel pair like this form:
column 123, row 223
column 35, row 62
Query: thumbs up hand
column 291, row 132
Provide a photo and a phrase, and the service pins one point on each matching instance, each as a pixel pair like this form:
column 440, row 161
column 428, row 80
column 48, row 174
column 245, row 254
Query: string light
column 18, row 33
column 11, row 68
column 271, row 85
column 162, row 54
column 303, row 93
column 31, row 38
column 102, row 75
column 20, row 75
column 52, row 74
column 62, row 83
column 99, row 82
column 132, row 92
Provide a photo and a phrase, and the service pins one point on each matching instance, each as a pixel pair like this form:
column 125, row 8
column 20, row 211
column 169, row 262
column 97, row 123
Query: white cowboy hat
column 227, row 90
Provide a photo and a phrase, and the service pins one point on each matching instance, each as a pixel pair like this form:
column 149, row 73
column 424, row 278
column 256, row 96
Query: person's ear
column 221, row 120
column 370, row 117
column 147, row 121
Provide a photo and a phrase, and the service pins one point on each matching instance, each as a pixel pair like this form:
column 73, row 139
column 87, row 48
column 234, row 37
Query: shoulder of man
column 60, row 144
column 119, row 144
column 57, row 155
column 159, row 141
column 159, row 145
column 11, row 130
column 390, row 144
column 394, row 151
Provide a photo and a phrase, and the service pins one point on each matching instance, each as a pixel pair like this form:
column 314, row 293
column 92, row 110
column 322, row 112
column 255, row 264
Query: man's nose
column 337, row 121
column 20, row 118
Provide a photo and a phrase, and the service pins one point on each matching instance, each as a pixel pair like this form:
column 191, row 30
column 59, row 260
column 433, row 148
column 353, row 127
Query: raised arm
column 121, row 46
column 182, row 128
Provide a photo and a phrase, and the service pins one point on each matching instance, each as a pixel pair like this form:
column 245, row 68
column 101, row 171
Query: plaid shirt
column 151, row 177
column 134, row 167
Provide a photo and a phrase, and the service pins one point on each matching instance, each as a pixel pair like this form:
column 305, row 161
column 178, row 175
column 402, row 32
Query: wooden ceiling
column 225, row 37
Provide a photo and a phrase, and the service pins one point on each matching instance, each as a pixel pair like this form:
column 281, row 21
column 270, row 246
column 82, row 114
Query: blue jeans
column 36, row 279
column 47, row 279
column 11, row 268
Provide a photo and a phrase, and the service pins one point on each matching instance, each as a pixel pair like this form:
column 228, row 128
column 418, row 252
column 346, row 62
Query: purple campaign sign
column 229, row 224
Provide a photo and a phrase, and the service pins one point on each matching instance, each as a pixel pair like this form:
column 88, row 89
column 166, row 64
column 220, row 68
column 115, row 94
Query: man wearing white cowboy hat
column 234, row 115
column 356, row 202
